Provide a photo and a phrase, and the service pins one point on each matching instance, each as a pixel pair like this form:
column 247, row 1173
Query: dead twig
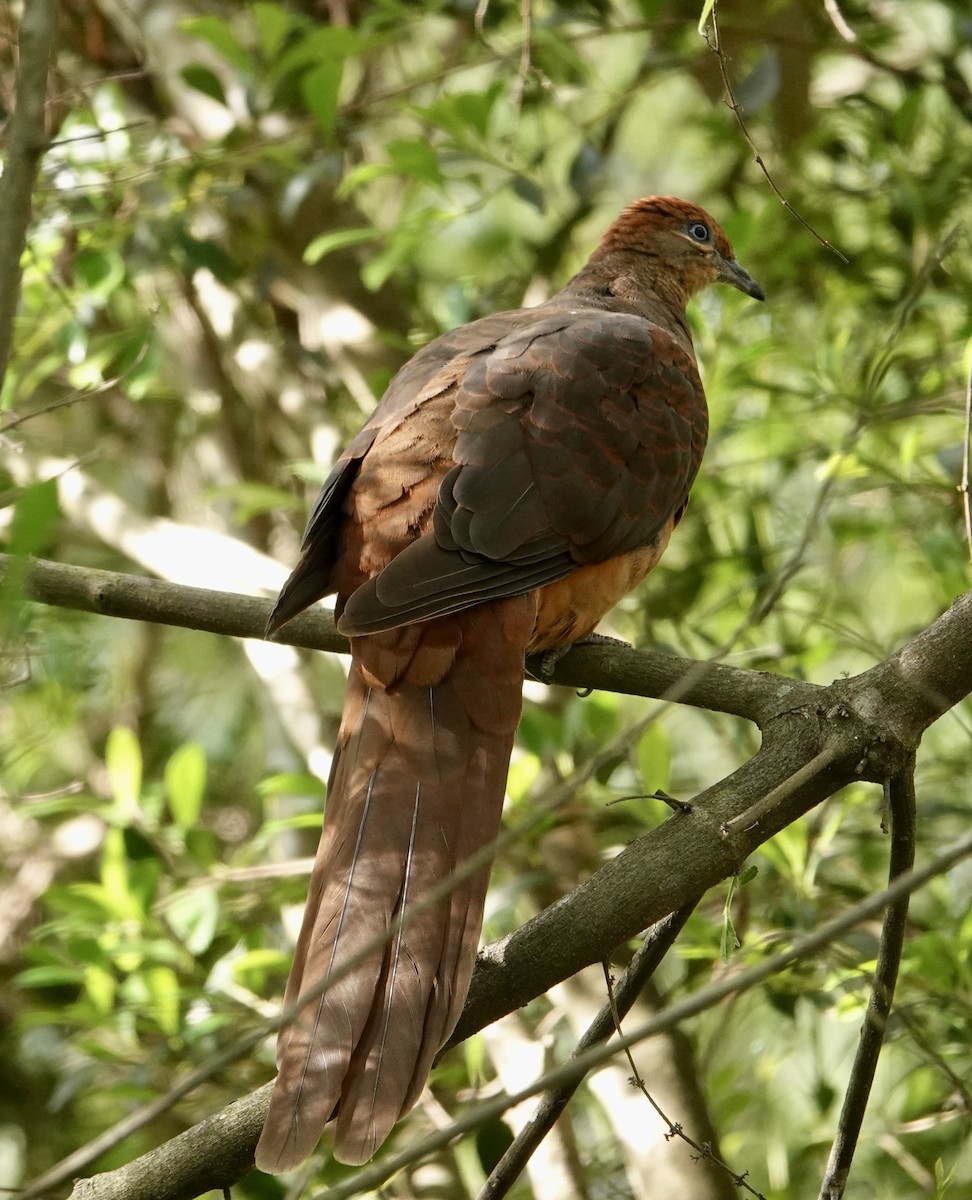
column 656, row 945
column 675, row 1128
column 715, row 45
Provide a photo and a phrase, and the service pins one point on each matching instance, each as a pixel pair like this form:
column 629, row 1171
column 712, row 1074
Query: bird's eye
column 699, row 231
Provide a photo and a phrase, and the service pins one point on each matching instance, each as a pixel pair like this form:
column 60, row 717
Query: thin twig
column 960, row 1102
column 675, row 1128
column 526, row 66
column 80, row 394
column 652, row 950
column 715, row 44
column 766, row 804
column 900, row 794
column 966, row 449
column 839, row 21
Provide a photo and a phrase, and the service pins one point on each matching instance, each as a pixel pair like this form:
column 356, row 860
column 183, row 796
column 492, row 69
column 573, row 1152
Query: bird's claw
column 547, row 661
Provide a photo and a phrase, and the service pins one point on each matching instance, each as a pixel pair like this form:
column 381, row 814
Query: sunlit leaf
column 328, row 242
column 162, row 984
column 185, row 781
column 273, row 25
column 194, row 917
column 123, row 761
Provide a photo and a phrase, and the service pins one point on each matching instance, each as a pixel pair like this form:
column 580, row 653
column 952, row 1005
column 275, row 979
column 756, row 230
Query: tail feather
column 417, row 789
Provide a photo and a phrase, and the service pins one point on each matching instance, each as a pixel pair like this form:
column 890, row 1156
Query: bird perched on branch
column 521, row 475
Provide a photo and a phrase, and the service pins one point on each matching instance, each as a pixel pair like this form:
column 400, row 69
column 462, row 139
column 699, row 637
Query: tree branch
column 27, row 143
column 208, row 1157
column 657, row 943
column 756, row 695
column 903, row 813
column 816, row 740
column 114, row 1185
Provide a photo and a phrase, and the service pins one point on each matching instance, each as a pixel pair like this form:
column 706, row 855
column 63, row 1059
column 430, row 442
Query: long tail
column 417, row 789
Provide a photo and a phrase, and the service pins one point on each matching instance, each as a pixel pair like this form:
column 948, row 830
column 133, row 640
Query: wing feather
column 577, row 438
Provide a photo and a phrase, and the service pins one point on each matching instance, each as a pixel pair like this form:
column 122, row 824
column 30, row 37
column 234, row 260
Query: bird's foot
column 547, row 661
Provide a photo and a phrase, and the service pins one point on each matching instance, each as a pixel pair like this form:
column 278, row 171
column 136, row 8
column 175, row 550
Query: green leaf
column 99, row 986
column 707, row 8
column 295, row 783
column 273, row 24
column 321, row 47
column 219, row 34
column 49, row 977
column 307, row 820
column 417, row 159
column 327, row 243
column 204, row 80
column 728, row 942
column 123, row 761
column 253, row 968
column 100, row 271
column 492, row 1142
column 462, row 113
column 163, row 990
column 185, row 783
column 320, row 87
column 35, row 518
column 193, row 916
column 115, row 891
column 655, row 758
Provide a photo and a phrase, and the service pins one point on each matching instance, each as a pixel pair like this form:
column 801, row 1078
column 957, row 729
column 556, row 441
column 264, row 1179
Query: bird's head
column 685, row 245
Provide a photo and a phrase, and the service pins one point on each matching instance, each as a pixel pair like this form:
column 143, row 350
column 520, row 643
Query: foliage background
column 251, row 214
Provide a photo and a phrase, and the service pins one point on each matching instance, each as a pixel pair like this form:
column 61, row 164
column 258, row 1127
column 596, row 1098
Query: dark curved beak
column 731, row 272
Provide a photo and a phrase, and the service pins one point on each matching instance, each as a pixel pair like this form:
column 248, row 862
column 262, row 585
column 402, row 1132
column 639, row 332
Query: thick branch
column 664, row 870
column 114, row 1185
column 819, row 740
column 923, row 680
column 205, row 1158
column 752, row 694
column 27, row 143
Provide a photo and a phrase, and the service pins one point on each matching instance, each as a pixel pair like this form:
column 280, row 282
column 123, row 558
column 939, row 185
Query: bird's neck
column 638, row 283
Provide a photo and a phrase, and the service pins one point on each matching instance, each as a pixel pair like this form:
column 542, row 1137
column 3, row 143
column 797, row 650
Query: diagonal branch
column 901, row 805
column 660, row 939
column 172, row 1172
column 863, row 727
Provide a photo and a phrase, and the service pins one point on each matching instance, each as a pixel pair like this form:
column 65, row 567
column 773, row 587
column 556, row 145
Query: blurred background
column 250, row 216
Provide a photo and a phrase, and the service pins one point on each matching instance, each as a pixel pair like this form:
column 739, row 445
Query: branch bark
column 27, row 143
column 815, row 740
column 156, row 1165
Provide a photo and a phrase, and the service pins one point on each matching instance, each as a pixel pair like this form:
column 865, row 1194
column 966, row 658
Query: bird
column 522, row 473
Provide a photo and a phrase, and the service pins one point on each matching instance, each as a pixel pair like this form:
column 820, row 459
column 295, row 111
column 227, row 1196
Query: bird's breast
column 571, row 608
